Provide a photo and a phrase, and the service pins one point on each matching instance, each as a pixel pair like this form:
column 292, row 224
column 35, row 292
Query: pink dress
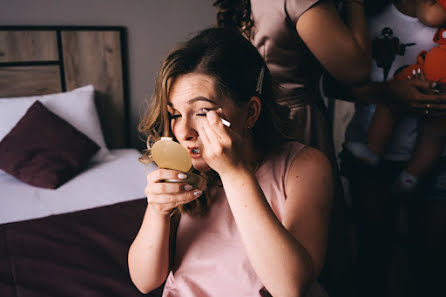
column 210, row 259
column 294, row 68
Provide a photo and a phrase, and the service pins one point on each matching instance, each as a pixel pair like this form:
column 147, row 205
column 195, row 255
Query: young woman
column 261, row 225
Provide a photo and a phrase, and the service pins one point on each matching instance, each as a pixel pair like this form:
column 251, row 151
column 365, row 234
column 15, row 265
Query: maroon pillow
column 44, row 150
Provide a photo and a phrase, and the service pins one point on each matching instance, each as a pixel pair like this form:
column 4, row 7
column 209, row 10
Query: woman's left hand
column 431, row 109
column 222, row 148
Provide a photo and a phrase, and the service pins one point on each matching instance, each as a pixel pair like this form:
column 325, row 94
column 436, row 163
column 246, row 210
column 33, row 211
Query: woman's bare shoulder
column 308, row 171
column 309, row 158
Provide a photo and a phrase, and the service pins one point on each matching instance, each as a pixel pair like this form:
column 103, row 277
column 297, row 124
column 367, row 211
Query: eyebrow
column 199, row 98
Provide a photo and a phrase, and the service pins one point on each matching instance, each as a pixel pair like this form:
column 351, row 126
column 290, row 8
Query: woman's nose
column 185, row 130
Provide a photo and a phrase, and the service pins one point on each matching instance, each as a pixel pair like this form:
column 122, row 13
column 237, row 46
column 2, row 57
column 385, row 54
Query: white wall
column 154, row 27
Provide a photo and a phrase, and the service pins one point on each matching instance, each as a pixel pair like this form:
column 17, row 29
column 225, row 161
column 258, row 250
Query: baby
column 432, row 130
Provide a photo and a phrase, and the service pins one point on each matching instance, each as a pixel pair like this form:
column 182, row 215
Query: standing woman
column 260, row 228
column 298, row 40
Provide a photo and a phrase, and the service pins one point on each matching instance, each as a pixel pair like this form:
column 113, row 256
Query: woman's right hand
column 162, row 196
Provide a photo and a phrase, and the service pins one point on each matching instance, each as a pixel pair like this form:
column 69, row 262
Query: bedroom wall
column 154, row 27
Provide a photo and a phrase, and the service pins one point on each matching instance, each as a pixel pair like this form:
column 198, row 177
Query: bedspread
column 82, row 253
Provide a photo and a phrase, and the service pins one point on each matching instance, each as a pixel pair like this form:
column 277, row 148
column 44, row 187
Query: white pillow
column 77, row 107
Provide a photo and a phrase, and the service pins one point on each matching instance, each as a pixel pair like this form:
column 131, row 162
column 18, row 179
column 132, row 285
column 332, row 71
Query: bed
column 67, row 236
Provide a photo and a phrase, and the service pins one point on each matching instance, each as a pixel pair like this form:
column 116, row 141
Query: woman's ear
column 254, row 107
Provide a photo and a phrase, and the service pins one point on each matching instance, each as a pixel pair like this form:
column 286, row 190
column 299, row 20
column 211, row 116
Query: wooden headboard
column 43, row 60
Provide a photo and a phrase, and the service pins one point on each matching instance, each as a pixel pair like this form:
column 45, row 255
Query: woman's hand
column 429, row 110
column 162, row 196
column 416, row 95
column 222, row 148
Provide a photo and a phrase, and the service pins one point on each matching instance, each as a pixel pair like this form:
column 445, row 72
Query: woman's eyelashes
column 205, row 110
column 174, row 116
column 200, row 113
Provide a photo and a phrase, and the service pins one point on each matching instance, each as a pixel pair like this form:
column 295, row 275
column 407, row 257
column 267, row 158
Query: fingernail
column 197, row 193
column 182, row 176
column 188, row 187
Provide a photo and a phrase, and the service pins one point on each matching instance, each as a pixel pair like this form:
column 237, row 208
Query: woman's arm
column 309, row 187
column 342, row 48
column 408, row 94
column 286, row 255
column 354, row 18
column 149, row 254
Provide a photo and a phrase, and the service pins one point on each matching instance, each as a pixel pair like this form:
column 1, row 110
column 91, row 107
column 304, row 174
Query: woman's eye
column 202, row 112
column 174, row 116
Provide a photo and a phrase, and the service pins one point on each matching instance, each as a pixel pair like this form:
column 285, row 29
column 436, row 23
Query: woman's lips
column 195, row 152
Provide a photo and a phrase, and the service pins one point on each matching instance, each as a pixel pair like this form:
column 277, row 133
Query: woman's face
column 190, row 96
column 430, row 13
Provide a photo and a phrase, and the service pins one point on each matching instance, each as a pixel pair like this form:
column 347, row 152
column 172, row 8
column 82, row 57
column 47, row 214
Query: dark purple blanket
column 77, row 254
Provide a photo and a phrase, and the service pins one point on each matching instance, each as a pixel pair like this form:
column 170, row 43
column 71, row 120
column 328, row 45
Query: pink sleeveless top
column 210, row 259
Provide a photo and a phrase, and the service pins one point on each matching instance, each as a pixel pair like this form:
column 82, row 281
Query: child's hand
column 164, row 196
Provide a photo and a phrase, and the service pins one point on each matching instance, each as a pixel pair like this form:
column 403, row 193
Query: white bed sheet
column 121, row 179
